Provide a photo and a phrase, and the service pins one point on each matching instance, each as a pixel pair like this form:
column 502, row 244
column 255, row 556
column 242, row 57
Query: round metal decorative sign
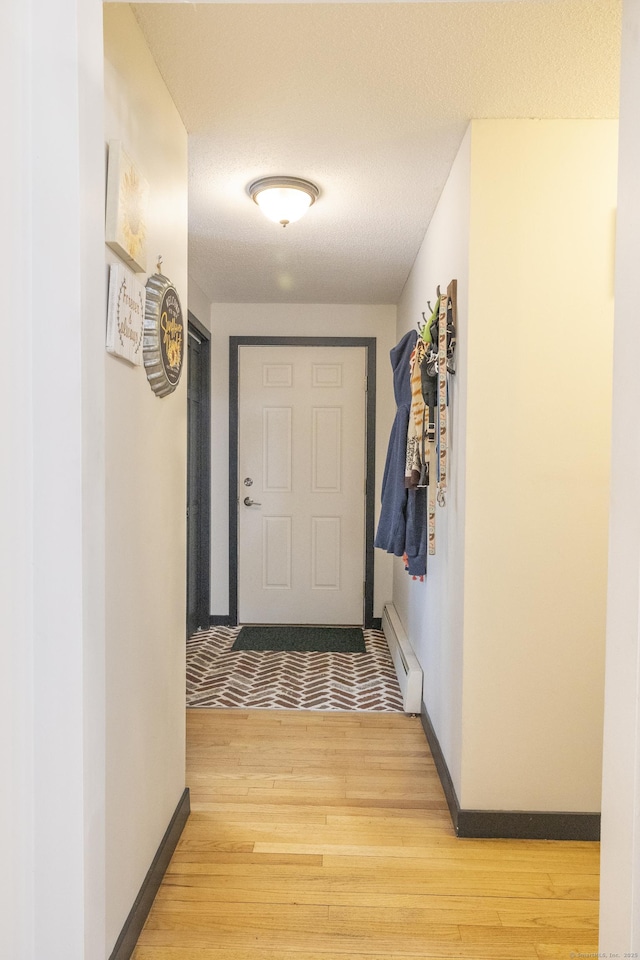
column 163, row 347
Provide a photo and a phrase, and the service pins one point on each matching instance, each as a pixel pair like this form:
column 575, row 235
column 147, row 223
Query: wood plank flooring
column 325, row 836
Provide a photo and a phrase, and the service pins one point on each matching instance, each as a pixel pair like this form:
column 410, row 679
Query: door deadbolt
column 248, row 482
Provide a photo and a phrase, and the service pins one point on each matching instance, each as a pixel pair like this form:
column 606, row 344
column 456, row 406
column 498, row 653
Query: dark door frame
column 369, row 343
column 204, row 475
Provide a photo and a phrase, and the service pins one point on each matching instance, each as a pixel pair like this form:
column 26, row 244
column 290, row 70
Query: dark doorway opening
column 198, row 476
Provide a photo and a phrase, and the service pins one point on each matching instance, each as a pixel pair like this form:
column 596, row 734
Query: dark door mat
column 302, row 639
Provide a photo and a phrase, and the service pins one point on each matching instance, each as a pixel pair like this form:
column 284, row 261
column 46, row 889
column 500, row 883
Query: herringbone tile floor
column 220, row 677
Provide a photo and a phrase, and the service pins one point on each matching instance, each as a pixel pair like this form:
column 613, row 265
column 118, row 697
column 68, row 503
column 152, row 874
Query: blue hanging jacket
column 402, row 528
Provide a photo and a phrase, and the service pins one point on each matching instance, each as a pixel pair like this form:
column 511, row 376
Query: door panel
column 276, row 553
column 325, row 553
column 301, row 459
column 326, row 449
column 277, row 451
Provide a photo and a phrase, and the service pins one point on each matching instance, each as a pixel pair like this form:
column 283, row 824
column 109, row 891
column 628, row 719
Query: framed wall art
column 127, row 204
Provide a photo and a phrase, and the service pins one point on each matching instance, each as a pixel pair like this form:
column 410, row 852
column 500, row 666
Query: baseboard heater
column 406, row 663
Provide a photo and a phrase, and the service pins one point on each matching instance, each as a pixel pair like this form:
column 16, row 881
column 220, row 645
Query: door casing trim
column 369, row 344
column 205, row 479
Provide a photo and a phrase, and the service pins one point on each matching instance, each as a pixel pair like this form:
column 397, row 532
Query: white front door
column 301, row 484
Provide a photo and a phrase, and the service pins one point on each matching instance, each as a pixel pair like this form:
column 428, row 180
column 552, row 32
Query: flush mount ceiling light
column 283, row 199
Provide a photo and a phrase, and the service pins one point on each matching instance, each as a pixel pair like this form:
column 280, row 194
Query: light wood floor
column 317, row 836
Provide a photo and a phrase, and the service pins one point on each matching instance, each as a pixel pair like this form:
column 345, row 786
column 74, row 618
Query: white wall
column 273, row 319
column 145, row 501
column 199, row 303
column 543, row 197
column 509, row 625
column 51, row 485
column 620, row 857
column 431, row 612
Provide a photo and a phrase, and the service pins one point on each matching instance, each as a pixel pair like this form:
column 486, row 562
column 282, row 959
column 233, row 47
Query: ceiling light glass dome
column 283, row 199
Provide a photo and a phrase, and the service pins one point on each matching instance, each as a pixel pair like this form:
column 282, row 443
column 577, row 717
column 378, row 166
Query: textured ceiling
column 368, row 100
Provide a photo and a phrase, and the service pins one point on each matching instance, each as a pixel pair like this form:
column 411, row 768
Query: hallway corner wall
column 509, row 625
column 620, row 853
column 52, row 484
column 145, row 501
column 431, row 612
column 199, row 304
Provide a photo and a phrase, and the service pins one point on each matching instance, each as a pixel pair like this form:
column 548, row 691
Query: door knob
column 248, row 502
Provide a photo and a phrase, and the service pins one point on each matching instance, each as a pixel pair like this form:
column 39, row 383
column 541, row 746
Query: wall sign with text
column 125, row 315
column 163, row 335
